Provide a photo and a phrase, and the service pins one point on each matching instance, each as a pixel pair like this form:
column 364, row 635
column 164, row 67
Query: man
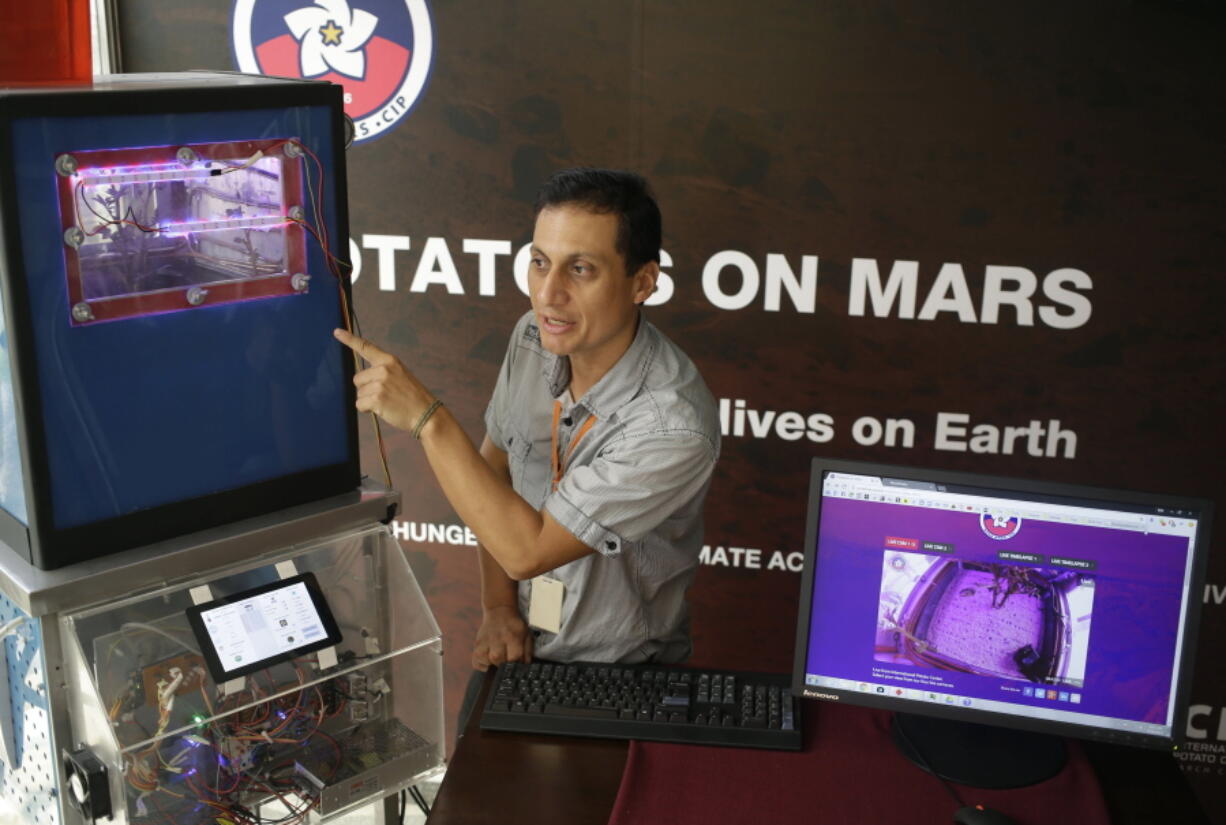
column 587, row 492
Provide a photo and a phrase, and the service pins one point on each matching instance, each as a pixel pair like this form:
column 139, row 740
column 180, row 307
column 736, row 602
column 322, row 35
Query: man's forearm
column 497, row 588
column 504, row 523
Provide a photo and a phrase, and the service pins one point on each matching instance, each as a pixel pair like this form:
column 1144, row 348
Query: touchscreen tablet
column 254, row 629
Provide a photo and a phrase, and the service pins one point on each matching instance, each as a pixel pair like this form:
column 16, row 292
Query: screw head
column 66, row 165
column 82, row 313
column 300, row 281
column 293, row 149
column 74, row 237
column 296, row 213
column 196, row 295
column 187, row 155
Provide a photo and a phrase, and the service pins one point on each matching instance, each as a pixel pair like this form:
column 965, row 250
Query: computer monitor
column 1008, row 603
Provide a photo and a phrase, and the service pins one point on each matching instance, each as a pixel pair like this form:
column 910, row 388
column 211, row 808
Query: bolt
column 74, row 237
column 293, row 149
column 187, row 155
column 66, row 165
column 300, row 281
column 297, row 213
column 195, row 295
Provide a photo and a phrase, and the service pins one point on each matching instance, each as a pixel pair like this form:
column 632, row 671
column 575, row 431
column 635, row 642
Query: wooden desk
column 510, row 778
column 522, row 779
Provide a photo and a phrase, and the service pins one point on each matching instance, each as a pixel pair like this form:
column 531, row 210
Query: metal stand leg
column 386, row 813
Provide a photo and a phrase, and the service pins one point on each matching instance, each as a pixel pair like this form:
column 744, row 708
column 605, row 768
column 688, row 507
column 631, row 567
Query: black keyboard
column 651, row 702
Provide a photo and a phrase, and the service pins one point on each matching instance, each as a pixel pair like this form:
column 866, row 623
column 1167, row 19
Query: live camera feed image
column 1007, row 621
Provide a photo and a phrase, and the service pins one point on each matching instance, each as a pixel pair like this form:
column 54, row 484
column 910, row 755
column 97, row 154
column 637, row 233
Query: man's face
column 584, row 302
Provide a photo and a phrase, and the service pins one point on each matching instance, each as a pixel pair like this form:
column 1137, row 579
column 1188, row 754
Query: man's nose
column 551, row 291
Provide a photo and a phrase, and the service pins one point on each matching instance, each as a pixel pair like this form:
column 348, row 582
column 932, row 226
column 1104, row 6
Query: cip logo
column 379, row 50
column 999, row 527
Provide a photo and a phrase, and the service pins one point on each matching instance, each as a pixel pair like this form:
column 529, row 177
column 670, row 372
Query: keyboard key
column 590, row 713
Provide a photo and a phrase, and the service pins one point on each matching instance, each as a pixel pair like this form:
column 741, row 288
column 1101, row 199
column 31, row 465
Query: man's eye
column 539, row 263
column 581, row 269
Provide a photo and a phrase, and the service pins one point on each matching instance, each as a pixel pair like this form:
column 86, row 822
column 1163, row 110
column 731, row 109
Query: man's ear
column 645, row 281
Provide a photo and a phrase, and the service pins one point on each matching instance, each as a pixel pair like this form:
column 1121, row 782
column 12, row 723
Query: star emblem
column 318, row 28
column 331, row 33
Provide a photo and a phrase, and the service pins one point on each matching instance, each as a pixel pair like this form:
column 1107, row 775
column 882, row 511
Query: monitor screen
column 252, row 630
column 1024, row 604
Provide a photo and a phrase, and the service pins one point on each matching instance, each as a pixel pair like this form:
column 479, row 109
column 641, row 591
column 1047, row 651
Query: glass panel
column 149, row 228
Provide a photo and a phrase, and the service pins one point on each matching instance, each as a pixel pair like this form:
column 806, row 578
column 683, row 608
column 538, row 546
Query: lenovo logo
column 816, row 695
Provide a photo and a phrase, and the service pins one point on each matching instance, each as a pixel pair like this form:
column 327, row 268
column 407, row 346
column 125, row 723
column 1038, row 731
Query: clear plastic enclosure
column 167, row 228
column 12, row 473
column 310, row 734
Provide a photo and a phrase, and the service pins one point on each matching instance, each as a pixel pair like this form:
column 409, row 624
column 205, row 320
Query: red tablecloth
column 849, row 773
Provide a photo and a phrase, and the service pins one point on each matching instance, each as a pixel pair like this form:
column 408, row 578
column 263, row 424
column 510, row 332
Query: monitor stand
column 981, row 756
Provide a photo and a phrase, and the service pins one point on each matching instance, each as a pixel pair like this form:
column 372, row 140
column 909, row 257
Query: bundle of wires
column 245, row 751
column 335, row 266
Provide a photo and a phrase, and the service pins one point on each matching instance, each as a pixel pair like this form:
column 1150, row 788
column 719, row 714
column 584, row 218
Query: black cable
column 420, row 799
column 401, row 804
column 924, row 763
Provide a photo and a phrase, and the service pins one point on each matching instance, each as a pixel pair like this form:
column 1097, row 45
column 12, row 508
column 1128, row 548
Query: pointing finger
column 361, row 346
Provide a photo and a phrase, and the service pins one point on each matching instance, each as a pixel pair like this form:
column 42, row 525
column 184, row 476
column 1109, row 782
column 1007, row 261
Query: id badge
column 545, row 604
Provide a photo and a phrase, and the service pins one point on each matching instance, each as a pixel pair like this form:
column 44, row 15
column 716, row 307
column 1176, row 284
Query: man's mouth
column 555, row 325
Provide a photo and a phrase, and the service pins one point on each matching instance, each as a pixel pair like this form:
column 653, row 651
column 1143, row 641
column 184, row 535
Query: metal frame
column 38, row 538
column 104, row 36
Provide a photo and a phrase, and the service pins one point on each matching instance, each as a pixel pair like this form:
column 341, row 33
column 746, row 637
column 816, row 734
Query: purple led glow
column 1007, row 621
column 138, row 174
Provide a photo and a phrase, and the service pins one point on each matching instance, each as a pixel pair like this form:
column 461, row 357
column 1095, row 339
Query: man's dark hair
column 611, row 191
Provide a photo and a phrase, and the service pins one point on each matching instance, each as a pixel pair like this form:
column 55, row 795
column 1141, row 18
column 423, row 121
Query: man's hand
column 503, row 637
column 386, row 387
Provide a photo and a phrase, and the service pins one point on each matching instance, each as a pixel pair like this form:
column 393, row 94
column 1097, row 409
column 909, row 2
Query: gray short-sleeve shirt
column 632, row 489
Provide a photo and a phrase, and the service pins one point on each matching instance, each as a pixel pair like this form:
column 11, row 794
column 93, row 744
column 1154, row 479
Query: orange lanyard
column 559, row 463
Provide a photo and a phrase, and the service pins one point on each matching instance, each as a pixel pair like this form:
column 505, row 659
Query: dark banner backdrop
column 890, row 234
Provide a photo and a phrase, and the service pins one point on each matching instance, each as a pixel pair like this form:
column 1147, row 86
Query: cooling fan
column 88, row 790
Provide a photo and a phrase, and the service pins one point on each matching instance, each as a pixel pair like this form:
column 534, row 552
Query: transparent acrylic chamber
column 180, row 748
column 162, row 229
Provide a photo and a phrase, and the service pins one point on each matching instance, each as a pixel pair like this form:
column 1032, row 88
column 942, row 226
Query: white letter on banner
column 1053, row 288
column 803, row 292
column 355, row 259
column 950, row 279
column 995, row 294
column 522, row 258
column 664, row 284
column 387, row 245
column 436, row 267
column 1194, row 713
column 951, row 428
column 486, row 252
column 749, row 279
column 866, row 280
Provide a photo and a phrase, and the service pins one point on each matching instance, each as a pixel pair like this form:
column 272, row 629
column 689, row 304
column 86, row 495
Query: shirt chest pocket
column 529, row 465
